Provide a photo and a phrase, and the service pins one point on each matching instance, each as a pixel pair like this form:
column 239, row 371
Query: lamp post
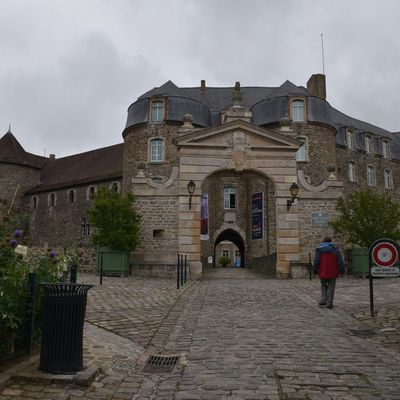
column 294, row 191
column 191, row 186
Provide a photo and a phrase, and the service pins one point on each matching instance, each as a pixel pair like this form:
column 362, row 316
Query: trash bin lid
column 65, row 289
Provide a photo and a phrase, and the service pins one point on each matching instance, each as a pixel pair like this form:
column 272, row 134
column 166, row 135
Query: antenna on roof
column 323, row 55
column 9, row 128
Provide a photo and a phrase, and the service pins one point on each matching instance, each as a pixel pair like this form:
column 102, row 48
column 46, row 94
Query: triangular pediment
column 238, row 133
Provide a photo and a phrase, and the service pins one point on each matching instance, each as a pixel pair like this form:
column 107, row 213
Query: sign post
column 383, row 262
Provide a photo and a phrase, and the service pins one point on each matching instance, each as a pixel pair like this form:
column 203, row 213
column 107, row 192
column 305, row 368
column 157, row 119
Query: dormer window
column 298, row 110
column 385, row 149
column 157, row 111
column 350, row 139
column 369, row 144
column 156, row 150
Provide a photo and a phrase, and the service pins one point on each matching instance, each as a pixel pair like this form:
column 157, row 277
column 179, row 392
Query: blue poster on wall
column 257, row 215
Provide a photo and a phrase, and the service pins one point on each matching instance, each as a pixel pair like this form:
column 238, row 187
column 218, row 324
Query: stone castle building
column 211, row 170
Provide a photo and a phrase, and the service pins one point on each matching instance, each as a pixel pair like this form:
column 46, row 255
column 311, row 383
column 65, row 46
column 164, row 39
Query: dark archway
column 234, row 237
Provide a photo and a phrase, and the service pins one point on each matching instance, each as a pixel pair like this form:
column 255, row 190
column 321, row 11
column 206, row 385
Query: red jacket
column 328, row 261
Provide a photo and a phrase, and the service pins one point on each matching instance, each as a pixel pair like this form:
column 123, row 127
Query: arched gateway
column 246, row 173
column 235, row 239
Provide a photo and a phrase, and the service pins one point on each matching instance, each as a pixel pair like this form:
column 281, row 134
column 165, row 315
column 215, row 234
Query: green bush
column 224, row 261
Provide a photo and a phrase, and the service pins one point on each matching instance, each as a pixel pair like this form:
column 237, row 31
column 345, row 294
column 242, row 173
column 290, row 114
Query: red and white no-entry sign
column 384, row 254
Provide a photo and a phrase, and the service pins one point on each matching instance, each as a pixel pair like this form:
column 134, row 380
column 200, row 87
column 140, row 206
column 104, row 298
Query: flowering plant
column 16, row 262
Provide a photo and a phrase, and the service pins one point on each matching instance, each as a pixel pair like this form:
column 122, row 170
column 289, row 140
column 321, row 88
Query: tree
column 366, row 217
column 115, row 220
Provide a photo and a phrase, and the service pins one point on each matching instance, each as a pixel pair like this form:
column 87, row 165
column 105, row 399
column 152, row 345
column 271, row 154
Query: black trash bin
column 62, row 329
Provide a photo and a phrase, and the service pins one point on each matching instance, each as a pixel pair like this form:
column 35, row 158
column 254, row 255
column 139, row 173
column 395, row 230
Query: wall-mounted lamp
column 294, row 191
column 191, row 186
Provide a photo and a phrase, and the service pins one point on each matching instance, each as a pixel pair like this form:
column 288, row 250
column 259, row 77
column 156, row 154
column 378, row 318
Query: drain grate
column 363, row 332
column 160, row 364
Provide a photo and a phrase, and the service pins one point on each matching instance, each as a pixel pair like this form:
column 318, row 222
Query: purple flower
column 18, row 233
column 13, row 243
column 52, row 254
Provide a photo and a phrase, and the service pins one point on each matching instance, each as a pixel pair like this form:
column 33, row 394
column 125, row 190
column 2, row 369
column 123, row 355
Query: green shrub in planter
column 224, row 261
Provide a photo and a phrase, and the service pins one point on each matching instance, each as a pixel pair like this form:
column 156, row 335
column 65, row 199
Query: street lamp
column 191, row 186
column 294, row 191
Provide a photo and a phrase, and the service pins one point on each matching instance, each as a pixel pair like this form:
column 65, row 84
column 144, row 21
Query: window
column 301, row 154
column 369, row 144
column 388, row 177
column 352, row 171
column 71, row 196
column 225, row 253
column 158, row 233
column 229, row 198
column 385, row 149
column 370, row 175
column 350, row 139
column 157, row 111
column 115, row 187
column 34, row 202
column 85, row 227
column 91, row 192
column 298, row 111
column 156, row 150
column 52, row 199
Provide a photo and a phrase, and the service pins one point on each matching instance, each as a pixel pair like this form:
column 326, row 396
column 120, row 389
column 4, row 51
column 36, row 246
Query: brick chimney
column 52, row 156
column 316, row 86
column 203, row 86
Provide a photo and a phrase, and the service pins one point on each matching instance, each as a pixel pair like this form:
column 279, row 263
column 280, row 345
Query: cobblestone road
column 239, row 336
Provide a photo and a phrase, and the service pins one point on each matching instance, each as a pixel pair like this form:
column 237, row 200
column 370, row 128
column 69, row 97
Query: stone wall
column 321, row 150
column 16, row 180
column 159, row 229
column 362, row 160
column 312, row 230
column 61, row 224
column 136, row 152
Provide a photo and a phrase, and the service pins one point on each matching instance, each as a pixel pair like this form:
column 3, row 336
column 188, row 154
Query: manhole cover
column 363, row 332
column 160, row 364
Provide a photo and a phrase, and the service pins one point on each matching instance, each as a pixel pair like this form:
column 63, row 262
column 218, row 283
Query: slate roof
column 268, row 105
column 12, row 152
column 92, row 166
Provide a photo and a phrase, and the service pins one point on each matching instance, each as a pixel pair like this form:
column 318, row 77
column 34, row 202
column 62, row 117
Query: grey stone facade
column 249, row 139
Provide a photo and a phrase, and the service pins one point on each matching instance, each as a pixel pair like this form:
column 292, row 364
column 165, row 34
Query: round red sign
column 385, row 254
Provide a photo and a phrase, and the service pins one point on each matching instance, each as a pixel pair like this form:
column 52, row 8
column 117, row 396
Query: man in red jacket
column 328, row 264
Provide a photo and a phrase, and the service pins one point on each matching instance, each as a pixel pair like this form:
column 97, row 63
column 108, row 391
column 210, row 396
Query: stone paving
column 239, row 336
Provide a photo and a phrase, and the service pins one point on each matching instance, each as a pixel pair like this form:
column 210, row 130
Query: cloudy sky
column 70, row 68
